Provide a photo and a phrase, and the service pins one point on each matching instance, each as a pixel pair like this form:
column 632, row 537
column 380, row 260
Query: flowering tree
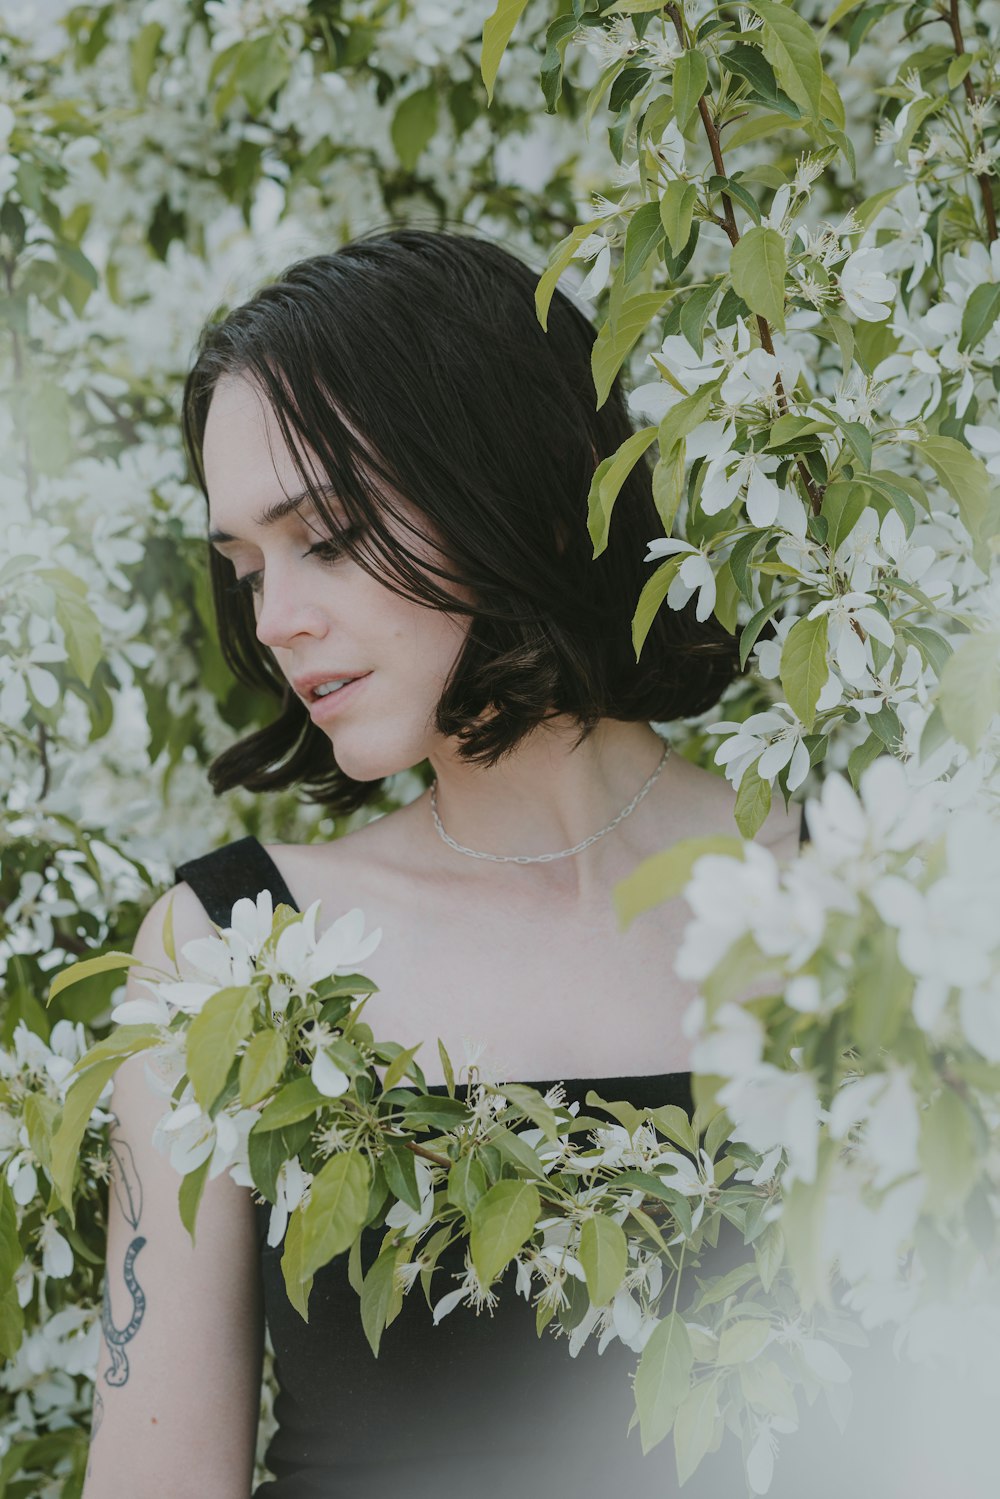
column 792, row 253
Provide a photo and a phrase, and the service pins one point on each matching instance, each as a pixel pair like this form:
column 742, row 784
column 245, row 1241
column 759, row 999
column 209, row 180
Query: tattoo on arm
column 128, row 1191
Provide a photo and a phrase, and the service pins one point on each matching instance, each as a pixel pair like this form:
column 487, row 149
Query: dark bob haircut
column 428, row 344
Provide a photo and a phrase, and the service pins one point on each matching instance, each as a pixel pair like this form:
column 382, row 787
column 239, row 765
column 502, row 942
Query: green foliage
column 127, row 196
column 758, row 270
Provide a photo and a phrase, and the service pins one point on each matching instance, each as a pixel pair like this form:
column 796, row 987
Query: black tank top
column 477, row 1401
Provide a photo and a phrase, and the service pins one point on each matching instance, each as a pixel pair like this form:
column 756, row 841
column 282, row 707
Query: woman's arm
column 177, row 1395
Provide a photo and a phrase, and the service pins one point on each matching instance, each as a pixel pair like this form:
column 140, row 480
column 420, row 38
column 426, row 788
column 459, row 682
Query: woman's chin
column 370, row 765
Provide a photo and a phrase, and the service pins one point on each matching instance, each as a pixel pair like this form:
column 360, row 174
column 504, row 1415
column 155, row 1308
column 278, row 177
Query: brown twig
column 970, row 93
column 728, row 223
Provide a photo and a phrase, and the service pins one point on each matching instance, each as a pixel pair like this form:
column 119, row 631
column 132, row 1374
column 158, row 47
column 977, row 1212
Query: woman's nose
column 287, row 608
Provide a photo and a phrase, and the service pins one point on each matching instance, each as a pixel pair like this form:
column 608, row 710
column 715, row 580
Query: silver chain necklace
column 474, row 853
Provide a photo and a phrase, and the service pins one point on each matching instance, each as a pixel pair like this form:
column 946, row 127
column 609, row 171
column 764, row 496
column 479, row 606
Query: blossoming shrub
column 789, row 231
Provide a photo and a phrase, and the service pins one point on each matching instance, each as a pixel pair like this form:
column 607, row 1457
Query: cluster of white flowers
column 182, row 196
column 867, row 852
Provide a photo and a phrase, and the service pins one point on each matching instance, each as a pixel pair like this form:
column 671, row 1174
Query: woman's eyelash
column 329, row 551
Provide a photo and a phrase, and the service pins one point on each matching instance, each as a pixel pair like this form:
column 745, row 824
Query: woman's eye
column 250, row 583
column 329, row 551
column 332, row 551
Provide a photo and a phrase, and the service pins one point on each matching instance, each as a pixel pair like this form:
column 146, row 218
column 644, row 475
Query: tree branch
column 729, row 225
column 985, row 184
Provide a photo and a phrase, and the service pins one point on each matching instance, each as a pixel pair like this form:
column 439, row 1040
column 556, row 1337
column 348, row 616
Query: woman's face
column 323, row 616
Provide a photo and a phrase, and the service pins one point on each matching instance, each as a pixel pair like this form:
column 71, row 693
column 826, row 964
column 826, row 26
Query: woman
column 396, row 459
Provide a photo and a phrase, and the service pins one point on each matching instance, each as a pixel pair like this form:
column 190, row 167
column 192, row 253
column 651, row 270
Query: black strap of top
column 227, row 874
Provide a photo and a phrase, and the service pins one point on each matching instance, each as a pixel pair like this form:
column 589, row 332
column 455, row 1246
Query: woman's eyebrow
column 274, row 512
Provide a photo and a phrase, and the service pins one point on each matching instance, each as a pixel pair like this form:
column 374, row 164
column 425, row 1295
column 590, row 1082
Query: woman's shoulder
column 704, row 803
column 340, row 871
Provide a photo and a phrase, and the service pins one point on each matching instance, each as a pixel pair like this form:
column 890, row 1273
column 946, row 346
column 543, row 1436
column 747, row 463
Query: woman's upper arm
column 177, row 1393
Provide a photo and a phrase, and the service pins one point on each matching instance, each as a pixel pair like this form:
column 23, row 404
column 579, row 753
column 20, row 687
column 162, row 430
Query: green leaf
column 262, row 67
column 654, row 591
column 447, row 1068
column 497, row 32
column 694, row 1427
column 766, row 1388
column 963, row 475
column 831, row 107
column 378, row 1294
column 616, row 339
column 189, row 1195
column 86, row 968
column 769, row 1252
column 77, row 1108
column 642, row 237
column 533, row 1104
column 212, row 1038
column 664, row 875
column 791, row 48
column 947, row 1153
column 753, row 627
column 296, row 1101
column 694, row 311
column 467, row 1184
column 788, row 431
column 843, row 504
column 662, row 1379
column 142, row 54
column 981, row 312
column 268, row 1152
column 633, row 7
column 400, row 1167
column 804, row 667
column 514, row 1148
column 749, row 62
column 502, row 1221
column 840, row 11
column 413, row 125
column 969, row 690
column 559, row 259
column 39, row 1120
column 668, row 486
column 84, row 641
column 119, row 1043
column 758, row 269
column 337, row 1209
column 399, row 1066
column 686, row 414
column 676, row 209
column 754, row 129
column 297, row 1284
column 606, row 484
column 742, row 1341
column 690, row 82
column 261, row 1066
column 11, row 1335
column 551, row 77
column 934, row 648
column 627, row 1115
column 604, row 1257
column 803, row 1210
column 753, row 801
column 674, row 1122
column 11, row 1253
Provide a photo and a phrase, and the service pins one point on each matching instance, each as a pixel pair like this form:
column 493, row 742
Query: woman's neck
column 545, row 797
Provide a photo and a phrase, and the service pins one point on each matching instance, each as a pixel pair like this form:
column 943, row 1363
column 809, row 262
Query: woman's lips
column 322, row 708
